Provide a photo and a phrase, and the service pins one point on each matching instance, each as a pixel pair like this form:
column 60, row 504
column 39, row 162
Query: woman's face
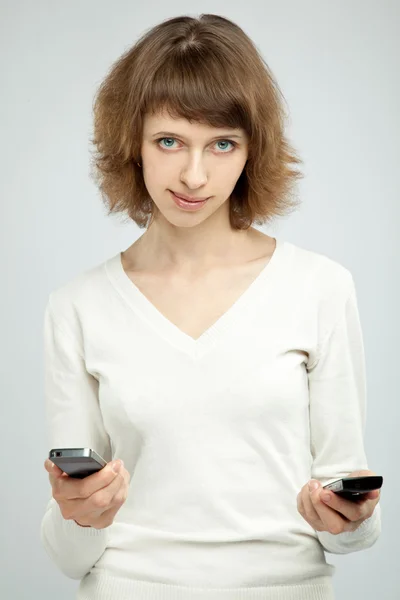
column 192, row 159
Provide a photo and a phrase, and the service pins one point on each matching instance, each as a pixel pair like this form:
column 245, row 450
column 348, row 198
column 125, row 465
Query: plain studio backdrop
column 338, row 66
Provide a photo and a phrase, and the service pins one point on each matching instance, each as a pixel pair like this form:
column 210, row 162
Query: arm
column 73, row 420
column 337, row 390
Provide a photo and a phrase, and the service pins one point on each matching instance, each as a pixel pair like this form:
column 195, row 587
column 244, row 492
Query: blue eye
column 225, row 141
column 170, row 145
column 161, row 139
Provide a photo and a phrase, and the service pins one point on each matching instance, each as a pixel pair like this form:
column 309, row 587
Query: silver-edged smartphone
column 352, row 488
column 77, row 462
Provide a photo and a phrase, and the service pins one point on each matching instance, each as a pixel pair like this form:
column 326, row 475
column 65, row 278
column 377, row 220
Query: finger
column 331, row 520
column 73, row 488
column 119, row 498
column 126, row 475
column 103, row 499
column 53, row 470
column 311, row 514
column 101, row 479
column 362, row 473
column 51, row 467
column 353, row 511
column 84, row 509
column 124, row 490
column 373, row 495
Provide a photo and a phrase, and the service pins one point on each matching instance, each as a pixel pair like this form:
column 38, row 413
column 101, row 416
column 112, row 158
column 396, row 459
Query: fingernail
column 326, row 497
column 313, row 485
column 116, row 466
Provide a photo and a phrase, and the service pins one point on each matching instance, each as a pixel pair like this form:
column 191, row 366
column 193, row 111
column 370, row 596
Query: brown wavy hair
column 206, row 70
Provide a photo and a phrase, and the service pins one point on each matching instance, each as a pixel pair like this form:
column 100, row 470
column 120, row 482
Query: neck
column 212, row 243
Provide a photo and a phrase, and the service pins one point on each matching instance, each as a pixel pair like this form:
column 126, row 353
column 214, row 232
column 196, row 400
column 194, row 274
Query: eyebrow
column 172, row 134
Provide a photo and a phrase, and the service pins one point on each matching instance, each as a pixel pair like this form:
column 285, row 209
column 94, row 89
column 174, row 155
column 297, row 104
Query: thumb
column 373, row 495
column 52, row 468
column 362, row 473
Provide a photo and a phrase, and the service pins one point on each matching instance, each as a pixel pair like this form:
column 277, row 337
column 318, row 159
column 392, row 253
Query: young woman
column 218, row 370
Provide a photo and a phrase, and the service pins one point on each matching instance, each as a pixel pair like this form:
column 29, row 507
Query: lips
column 189, row 199
column 188, row 205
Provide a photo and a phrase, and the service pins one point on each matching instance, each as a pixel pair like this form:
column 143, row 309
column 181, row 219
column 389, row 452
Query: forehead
column 164, row 122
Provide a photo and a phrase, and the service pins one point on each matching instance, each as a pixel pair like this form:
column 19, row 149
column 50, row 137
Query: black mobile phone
column 77, row 462
column 352, row 488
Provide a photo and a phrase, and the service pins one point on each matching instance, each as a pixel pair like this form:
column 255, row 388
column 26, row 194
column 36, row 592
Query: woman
column 216, row 369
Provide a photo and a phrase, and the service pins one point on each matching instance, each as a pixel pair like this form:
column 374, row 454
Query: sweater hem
column 108, row 587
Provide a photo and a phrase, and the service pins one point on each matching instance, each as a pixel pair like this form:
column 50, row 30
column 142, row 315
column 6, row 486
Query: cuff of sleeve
column 74, row 531
column 74, row 549
column 352, row 541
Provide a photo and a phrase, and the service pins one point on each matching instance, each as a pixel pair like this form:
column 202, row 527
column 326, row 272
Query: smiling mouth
column 187, row 199
column 188, row 205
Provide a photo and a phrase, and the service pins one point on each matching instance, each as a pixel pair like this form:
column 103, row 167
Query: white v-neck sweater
column 219, row 434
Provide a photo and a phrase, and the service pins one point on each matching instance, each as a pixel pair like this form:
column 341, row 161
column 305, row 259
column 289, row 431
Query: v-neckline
column 195, row 347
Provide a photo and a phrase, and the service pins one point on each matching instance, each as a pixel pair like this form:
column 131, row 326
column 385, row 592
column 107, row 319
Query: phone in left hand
column 77, row 462
column 352, row 488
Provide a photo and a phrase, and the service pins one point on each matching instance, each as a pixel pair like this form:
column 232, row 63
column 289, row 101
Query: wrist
column 81, row 525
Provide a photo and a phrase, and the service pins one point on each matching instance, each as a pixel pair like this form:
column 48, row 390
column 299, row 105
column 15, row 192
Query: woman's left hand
column 338, row 514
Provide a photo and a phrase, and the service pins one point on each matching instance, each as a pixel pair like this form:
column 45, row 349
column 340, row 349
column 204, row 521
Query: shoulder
column 79, row 293
column 323, row 290
column 320, row 272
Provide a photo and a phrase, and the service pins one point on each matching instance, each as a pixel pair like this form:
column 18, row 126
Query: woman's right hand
column 93, row 501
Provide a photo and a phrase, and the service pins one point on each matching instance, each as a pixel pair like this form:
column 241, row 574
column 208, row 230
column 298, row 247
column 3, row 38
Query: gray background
column 338, row 66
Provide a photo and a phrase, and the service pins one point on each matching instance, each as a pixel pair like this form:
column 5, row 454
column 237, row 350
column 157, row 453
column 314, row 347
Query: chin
column 186, row 221
column 180, row 218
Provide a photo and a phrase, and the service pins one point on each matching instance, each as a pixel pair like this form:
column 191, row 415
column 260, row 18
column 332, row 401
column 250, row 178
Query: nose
column 194, row 174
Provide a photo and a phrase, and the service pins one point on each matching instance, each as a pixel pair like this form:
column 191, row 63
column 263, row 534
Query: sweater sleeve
column 73, row 420
column 337, row 393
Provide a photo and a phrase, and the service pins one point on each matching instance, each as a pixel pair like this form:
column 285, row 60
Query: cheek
column 158, row 180
column 224, row 180
column 156, row 172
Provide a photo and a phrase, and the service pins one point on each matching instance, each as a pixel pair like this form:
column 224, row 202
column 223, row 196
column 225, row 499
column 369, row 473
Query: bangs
column 196, row 85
